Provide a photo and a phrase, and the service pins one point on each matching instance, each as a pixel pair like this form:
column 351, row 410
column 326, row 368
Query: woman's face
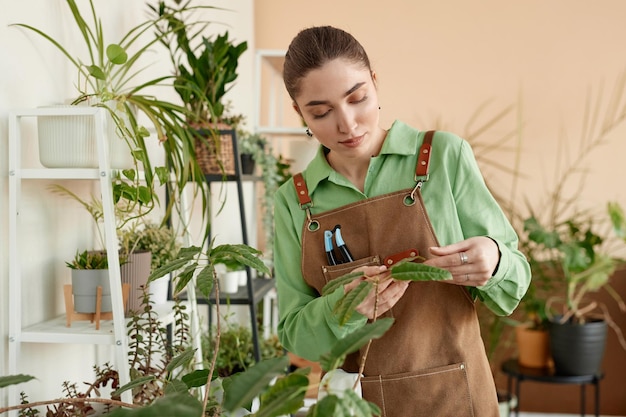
column 339, row 104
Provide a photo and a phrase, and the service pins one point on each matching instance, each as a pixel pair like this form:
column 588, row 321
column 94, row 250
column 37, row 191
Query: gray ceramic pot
column 85, row 283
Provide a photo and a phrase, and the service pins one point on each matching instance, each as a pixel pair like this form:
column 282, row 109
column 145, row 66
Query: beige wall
column 439, row 62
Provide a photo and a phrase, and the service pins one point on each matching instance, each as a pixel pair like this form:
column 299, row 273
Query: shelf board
column 260, row 287
column 278, row 130
column 60, row 173
column 84, row 332
column 231, row 177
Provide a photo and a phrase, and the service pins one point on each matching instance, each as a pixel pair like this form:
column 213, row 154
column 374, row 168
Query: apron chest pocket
column 440, row 392
column 335, row 271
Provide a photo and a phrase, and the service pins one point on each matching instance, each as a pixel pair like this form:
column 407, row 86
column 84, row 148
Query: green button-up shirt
column 457, row 201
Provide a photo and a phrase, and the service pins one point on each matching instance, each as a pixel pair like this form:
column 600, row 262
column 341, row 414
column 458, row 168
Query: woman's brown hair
column 313, row 47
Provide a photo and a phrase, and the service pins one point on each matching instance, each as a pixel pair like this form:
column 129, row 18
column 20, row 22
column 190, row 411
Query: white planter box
column 70, row 142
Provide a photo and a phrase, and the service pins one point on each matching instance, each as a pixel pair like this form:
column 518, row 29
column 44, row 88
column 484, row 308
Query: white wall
column 32, row 73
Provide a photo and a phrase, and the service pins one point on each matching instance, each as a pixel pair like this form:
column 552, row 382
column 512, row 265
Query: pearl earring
column 308, row 132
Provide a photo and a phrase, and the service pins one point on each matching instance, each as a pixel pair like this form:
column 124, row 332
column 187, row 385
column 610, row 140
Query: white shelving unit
column 274, row 116
column 273, row 112
column 54, row 330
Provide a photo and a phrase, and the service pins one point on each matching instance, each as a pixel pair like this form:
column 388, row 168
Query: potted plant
column 147, row 246
column 109, row 77
column 90, row 270
column 573, row 256
column 530, row 322
column 205, row 68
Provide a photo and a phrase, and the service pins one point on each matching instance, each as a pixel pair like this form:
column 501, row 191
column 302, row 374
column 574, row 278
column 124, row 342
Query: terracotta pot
column 533, row 347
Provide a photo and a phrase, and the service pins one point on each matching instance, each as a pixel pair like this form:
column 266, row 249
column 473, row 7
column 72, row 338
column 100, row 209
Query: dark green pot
column 578, row 349
column 247, row 164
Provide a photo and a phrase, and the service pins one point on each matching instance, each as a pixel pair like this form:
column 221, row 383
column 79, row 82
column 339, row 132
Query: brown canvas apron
column 432, row 361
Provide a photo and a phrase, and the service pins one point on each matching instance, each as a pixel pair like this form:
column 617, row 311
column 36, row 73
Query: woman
column 390, row 194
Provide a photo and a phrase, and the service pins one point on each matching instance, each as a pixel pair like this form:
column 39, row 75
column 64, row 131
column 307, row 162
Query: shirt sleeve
column 480, row 215
column 307, row 327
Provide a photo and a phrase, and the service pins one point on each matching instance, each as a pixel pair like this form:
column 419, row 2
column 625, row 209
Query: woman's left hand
column 471, row 261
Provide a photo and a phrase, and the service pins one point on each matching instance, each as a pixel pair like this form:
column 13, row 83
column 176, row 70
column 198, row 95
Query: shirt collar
column 319, row 170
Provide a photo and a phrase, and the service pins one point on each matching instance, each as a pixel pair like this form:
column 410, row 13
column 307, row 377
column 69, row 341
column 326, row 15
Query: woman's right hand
column 389, row 291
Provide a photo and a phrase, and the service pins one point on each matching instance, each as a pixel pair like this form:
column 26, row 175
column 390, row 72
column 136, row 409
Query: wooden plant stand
column 72, row 315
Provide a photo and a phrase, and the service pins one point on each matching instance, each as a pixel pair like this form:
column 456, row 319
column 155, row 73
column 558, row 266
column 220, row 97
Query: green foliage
column 618, row 219
column 274, row 171
column 111, row 73
column 204, row 66
column 89, row 260
column 405, row 270
column 5, row 381
column 194, row 262
column 168, row 387
column 352, row 342
column 570, row 253
column 236, row 349
column 161, row 240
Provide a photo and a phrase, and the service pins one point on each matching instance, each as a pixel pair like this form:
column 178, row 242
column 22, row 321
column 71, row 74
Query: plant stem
column 69, row 400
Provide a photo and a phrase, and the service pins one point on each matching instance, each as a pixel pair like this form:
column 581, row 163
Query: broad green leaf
column 247, row 385
column 242, row 254
column 285, row 397
column 96, row 72
column 116, row 54
column 327, row 406
column 353, row 342
column 346, row 305
column 411, row 271
column 175, row 386
column 353, row 405
column 5, row 381
column 197, row 378
column 340, row 281
column 205, row 280
column 172, row 266
column 180, row 360
column 133, row 384
column 183, row 278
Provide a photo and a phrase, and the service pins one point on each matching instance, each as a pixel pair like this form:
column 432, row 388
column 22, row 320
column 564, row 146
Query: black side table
column 520, row 373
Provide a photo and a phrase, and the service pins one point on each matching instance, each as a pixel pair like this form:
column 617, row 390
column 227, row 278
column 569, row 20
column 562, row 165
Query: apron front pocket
column 335, row 271
column 440, row 392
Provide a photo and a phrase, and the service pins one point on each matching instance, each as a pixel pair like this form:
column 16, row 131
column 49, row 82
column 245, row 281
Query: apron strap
column 423, row 159
column 302, row 191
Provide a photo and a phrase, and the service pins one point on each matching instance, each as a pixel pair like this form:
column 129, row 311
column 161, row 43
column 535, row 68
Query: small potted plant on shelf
column 90, row 270
column 158, row 244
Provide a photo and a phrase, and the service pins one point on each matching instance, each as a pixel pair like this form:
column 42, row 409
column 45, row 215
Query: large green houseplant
column 204, row 69
column 572, row 255
column 109, row 75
